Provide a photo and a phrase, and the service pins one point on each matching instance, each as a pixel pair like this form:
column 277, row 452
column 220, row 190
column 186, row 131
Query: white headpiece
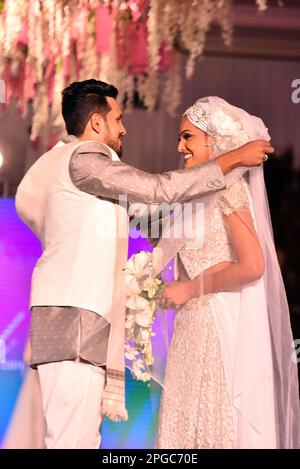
column 230, row 126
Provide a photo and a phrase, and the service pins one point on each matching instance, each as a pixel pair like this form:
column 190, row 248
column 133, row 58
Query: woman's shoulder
column 234, row 197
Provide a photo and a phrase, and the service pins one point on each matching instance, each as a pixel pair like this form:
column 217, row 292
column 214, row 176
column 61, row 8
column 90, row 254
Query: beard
column 115, row 146
column 119, row 152
column 114, row 143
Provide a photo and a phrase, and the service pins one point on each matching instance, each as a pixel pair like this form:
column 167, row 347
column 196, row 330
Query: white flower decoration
column 224, row 124
column 141, row 304
column 144, row 317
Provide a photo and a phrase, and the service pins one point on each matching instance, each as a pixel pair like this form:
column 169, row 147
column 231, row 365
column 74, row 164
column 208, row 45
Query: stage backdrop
column 262, row 87
column 19, row 250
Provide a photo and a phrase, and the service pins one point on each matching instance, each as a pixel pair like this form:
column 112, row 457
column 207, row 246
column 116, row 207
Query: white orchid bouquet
column 142, row 301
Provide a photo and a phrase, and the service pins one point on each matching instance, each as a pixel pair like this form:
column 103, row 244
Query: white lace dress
column 196, row 409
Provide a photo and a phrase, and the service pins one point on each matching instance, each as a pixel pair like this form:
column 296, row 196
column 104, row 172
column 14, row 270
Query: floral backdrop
column 137, row 45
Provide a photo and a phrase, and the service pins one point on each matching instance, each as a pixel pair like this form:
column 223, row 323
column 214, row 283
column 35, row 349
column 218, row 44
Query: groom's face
column 114, row 130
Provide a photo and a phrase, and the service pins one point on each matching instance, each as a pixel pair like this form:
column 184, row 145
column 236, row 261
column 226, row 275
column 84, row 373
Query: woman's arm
column 250, row 261
column 227, row 276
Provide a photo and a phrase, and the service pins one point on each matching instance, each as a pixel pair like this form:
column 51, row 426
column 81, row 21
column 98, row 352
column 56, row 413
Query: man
column 68, row 198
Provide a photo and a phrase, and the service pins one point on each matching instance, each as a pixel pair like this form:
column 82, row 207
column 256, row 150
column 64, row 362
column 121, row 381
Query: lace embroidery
column 195, row 409
column 235, row 197
column 216, row 247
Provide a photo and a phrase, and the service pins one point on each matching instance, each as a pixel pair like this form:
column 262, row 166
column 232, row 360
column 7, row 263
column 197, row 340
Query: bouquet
column 142, row 301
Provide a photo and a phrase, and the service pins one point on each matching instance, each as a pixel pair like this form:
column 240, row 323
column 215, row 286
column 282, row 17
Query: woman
column 231, row 375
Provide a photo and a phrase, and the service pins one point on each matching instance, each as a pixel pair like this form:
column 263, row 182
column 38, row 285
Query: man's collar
column 72, row 139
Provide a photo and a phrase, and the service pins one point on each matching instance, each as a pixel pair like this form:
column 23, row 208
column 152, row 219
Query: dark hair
column 81, row 99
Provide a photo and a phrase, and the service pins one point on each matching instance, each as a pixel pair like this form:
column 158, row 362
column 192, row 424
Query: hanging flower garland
column 44, row 45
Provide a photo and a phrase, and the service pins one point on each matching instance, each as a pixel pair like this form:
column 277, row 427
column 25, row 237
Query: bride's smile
column 193, row 144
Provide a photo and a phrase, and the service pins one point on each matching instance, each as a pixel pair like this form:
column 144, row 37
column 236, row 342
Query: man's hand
column 250, row 154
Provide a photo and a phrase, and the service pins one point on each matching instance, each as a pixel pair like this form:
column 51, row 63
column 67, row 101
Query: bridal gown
column 196, row 407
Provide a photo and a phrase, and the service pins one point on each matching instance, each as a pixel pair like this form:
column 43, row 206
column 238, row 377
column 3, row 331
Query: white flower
column 60, row 25
column 144, row 317
column 138, row 371
column 130, row 352
column 130, row 319
column 141, row 304
column 137, row 367
column 145, row 335
column 134, row 301
column 151, row 286
column 223, row 123
column 138, row 268
column 138, row 265
column 143, row 376
column 148, row 354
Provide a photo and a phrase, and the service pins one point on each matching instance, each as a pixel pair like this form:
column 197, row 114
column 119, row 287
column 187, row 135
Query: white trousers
column 71, row 397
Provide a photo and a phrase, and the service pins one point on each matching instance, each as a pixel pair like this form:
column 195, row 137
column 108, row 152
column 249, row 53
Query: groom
column 69, row 200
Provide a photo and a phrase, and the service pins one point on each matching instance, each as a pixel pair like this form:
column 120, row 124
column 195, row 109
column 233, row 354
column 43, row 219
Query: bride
column 231, row 373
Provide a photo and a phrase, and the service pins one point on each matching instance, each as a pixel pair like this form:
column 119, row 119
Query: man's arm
column 250, row 154
column 92, row 171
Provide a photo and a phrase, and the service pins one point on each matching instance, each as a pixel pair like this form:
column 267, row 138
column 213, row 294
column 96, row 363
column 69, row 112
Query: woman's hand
column 176, row 294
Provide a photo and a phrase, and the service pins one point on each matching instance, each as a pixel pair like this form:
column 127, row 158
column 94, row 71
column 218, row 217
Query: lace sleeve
column 235, row 197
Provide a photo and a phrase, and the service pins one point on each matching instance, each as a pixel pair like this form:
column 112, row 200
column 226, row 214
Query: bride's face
column 193, row 144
